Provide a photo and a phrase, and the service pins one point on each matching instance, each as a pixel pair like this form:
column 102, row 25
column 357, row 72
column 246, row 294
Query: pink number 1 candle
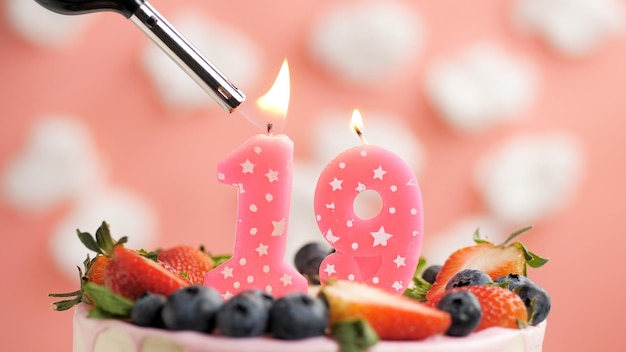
column 262, row 171
column 383, row 250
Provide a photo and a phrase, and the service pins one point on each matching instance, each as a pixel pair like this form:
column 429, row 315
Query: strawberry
column 499, row 306
column 129, row 274
column 187, row 261
column 103, row 245
column 95, row 273
column 495, row 260
column 392, row 317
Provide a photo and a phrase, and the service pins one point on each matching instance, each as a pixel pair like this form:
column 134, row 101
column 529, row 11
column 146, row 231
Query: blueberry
column 147, row 310
column 308, row 260
column 430, row 274
column 511, row 281
column 464, row 310
column 298, row 315
column 192, row 308
column 245, row 315
column 468, row 277
column 535, row 299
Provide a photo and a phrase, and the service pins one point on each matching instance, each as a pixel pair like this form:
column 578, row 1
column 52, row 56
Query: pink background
column 169, row 156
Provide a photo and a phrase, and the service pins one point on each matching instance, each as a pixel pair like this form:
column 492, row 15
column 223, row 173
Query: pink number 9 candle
column 261, row 169
column 383, row 250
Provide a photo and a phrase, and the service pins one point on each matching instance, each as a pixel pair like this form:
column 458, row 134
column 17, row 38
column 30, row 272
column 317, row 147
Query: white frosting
column 92, row 335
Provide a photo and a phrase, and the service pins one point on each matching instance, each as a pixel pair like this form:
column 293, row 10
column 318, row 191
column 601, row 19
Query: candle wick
column 270, row 127
column 360, row 134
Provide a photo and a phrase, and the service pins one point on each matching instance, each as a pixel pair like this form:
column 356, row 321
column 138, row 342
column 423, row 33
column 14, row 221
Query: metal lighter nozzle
column 155, row 26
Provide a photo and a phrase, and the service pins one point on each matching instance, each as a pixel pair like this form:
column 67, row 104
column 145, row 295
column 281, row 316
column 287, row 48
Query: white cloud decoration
column 530, row 177
column 230, row 50
column 38, row 25
column 364, row 43
column 572, row 27
column 58, row 162
column 481, row 87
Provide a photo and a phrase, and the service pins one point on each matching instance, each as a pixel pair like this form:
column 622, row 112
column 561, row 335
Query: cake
column 92, row 335
column 97, row 328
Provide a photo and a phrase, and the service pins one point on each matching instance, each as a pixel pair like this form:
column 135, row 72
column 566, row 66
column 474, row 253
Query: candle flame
column 276, row 100
column 357, row 124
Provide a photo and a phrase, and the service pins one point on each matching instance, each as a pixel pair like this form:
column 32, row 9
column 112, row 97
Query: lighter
column 155, row 26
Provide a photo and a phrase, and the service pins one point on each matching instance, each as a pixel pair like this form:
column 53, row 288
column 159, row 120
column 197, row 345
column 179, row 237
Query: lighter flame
column 276, row 100
column 357, row 124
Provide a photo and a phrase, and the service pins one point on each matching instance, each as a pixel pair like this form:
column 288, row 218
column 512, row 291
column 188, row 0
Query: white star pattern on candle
column 379, row 173
column 336, row 184
column 247, row 167
column 286, row 279
column 360, row 187
column 400, row 261
column 262, row 249
column 330, row 269
column 279, row 227
column 227, row 272
column 397, row 286
column 330, row 237
column 272, row 175
column 380, row 237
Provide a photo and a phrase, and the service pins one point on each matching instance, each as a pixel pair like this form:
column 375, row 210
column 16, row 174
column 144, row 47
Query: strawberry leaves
column 354, row 335
column 532, row 259
column 107, row 304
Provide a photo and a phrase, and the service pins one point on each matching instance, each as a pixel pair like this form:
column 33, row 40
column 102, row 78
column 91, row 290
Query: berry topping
column 430, row 273
column 189, row 262
column 468, row 277
column 511, row 281
column 192, row 308
column 392, row 317
column 536, row 300
column 298, row 315
column 130, row 275
column 147, row 310
column 464, row 310
column 308, row 260
column 499, row 307
column 495, row 260
column 245, row 314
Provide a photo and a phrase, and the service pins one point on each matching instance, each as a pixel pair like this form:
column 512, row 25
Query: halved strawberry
column 495, row 260
column 129, row 274
column 189, row 262
column 499, row 306
column 392, row 317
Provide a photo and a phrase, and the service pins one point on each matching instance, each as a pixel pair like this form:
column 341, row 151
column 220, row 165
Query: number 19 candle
column 261, row 169
column 382, row 250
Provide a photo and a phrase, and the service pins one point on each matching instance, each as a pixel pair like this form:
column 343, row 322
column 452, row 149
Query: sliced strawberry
column 499, row 307
column 187, row 261
column 495, row 260
column 129, row 274
column 392, row 317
